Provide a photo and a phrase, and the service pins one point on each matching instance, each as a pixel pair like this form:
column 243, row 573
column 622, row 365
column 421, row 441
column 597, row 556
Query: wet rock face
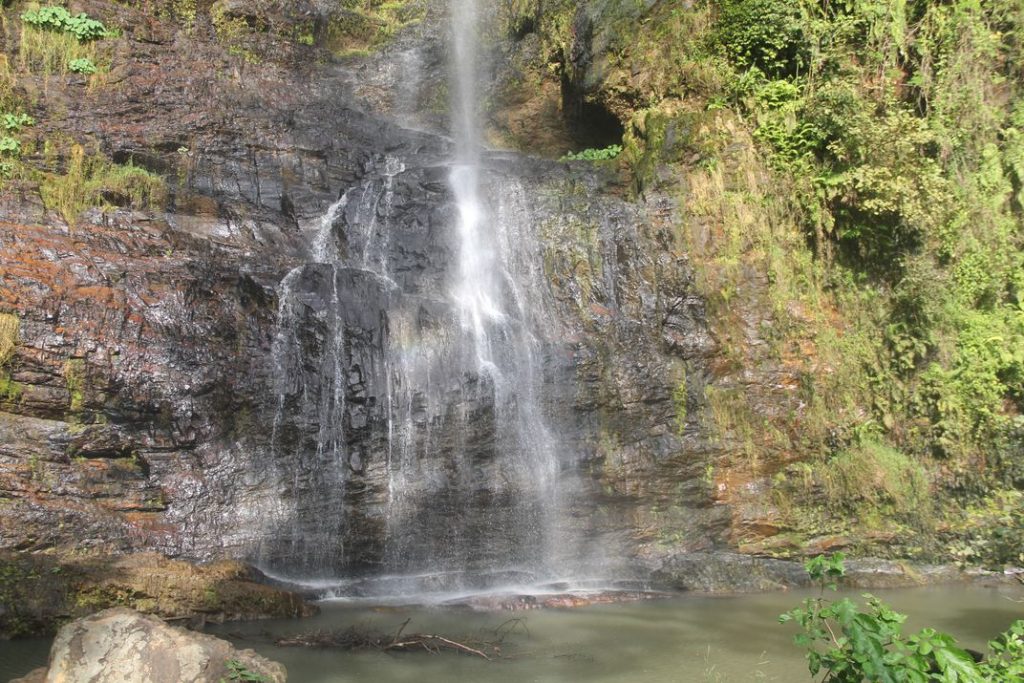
column 222, row 379
column 388, row 452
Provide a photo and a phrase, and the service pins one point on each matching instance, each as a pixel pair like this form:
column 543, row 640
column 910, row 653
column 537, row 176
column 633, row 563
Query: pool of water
column 681, row 639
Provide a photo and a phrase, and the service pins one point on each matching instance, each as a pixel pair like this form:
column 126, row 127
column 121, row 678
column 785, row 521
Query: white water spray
column 476, row 293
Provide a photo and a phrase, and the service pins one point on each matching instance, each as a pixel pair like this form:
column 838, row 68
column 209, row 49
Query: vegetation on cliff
column 50, row 51
column 867, row 157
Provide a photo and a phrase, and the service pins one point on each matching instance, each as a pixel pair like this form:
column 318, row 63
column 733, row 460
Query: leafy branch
column 850, row 644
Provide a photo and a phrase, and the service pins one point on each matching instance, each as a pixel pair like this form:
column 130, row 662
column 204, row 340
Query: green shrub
column 852, row 644
column 763, row 34
column 9, row 146
column 13, row 123
column 58, row 19
column 82, row 65
column 239, row 672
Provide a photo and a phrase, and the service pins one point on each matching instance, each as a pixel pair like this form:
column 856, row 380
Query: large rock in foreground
column 123, row 645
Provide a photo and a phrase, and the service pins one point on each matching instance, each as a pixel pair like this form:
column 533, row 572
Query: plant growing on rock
column 55, row 41
column 10, row 326
column 609, row 152
column 93, row 181
column 82, row 65
column 239, row 672
column 360, row 26
column 9, row 146
column 55, row 18
column 13, row 123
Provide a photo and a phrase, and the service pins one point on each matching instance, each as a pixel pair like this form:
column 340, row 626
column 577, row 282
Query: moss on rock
column 39, row 592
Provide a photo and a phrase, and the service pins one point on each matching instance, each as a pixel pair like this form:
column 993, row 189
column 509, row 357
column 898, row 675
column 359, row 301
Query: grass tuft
column 93, row 181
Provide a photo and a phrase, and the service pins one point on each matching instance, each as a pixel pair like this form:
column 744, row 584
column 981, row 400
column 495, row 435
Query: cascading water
column 410, row 435
column 492, row 520
column 491, row 308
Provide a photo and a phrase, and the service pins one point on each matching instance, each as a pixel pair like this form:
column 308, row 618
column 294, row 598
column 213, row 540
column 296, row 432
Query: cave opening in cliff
column 593, row 126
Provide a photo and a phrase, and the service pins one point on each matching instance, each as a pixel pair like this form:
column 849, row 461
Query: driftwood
column 357, row 639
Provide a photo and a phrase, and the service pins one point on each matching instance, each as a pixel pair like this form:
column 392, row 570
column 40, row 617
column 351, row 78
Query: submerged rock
column 123, row 645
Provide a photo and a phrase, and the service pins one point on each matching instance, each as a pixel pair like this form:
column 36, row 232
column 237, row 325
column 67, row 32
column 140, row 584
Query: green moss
column 730, row 419
column 75, row 381
column 32, row 590
column 234, row 32
column 10, row 325
column 681, row 400
column 184, row 11
column 10, row 391
column 874, row 477
column 519, row 16
column 361, row 26
column 871, row 493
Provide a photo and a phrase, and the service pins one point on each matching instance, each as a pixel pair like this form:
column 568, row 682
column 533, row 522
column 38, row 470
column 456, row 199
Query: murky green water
column 679, row 640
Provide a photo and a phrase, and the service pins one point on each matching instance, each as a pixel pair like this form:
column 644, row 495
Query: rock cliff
column 188, row 374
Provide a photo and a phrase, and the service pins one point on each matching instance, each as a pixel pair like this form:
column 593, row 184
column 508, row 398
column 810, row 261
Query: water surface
column 680, row 640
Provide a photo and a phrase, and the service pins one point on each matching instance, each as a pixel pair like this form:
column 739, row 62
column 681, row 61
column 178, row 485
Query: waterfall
column 475, row 292
column 410, row 436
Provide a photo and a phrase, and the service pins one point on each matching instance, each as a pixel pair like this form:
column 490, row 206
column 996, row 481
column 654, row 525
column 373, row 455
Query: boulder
column 124, row 645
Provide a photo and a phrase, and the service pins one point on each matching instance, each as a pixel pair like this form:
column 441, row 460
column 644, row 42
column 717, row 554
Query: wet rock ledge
column 38, row 593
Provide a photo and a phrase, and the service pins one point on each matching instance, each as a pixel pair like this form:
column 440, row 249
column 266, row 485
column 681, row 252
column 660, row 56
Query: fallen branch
column 353, row 639
column 424, row 639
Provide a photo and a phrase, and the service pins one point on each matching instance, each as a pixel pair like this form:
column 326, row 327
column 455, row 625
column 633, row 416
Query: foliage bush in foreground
column 850, row 644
